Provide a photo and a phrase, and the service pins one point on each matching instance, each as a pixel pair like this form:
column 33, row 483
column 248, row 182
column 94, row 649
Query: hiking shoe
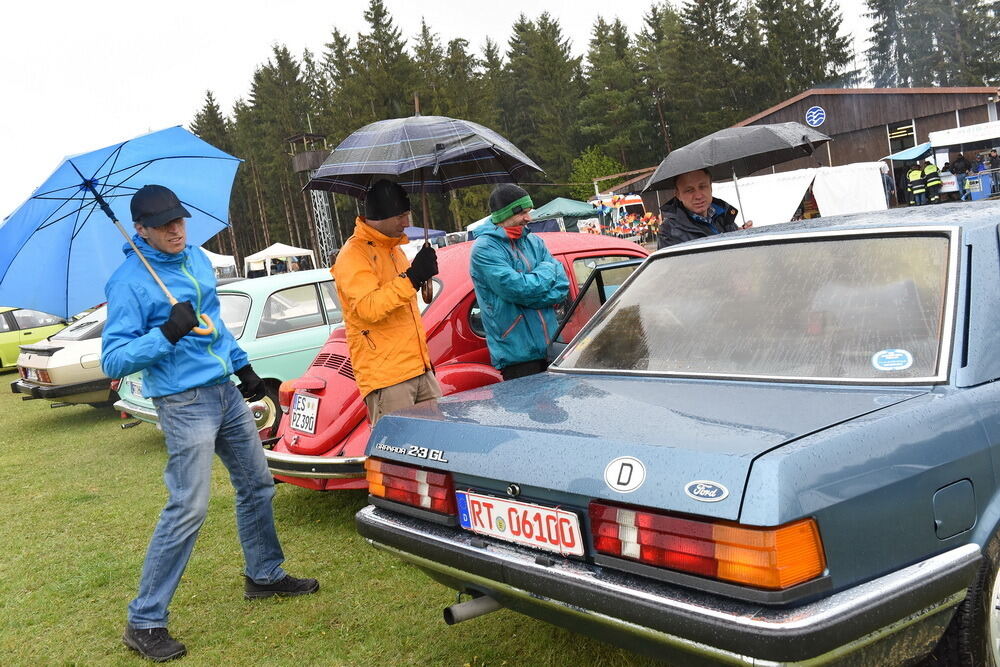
column 154, row 644
column 287, row 587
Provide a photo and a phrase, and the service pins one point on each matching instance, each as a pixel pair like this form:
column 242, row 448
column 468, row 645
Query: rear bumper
column 139, row 412
column 63, row 391
column 893, row 617
column 315, row 467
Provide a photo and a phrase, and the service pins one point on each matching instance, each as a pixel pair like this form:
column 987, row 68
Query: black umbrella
column 423, row 154
column 738, row 151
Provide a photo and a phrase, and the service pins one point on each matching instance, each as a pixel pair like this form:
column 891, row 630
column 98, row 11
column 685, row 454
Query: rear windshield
column 87, row 327
column 826, row 308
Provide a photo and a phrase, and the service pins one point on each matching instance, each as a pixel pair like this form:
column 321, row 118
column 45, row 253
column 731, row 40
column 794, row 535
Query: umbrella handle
column 201, row 331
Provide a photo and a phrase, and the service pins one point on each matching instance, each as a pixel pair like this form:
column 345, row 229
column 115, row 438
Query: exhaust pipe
column 463, row 611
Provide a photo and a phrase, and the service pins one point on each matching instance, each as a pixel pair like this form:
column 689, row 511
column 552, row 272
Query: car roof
column 276, row 281
column 556, row 242
column 6, row 309
column 971, row 216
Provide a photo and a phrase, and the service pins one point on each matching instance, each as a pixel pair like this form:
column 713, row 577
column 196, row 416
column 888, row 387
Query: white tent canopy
column 968, row 134
column 260, row 260
column 223, row 265
column 774, row 198
column 220, row 261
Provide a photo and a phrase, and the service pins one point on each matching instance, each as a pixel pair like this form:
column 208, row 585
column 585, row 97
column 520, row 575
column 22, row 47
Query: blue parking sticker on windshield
column 463, row 510
column 892, row 360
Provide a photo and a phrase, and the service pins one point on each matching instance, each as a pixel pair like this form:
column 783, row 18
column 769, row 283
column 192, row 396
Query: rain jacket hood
column 132, row 339
column 385, row 334
column 517, row 283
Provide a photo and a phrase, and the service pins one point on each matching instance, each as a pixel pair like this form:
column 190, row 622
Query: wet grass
column 81, row 497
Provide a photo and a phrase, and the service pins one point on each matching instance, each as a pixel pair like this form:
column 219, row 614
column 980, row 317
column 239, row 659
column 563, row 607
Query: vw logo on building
column 815, row 116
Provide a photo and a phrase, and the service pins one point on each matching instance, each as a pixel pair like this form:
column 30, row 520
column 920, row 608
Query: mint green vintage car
column 281, row 321
column 20, row 326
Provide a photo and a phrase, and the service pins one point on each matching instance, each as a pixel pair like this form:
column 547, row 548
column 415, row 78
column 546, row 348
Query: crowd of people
column 924, row 184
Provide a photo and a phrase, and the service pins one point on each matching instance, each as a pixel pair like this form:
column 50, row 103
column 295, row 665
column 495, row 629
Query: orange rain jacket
column 385, row 335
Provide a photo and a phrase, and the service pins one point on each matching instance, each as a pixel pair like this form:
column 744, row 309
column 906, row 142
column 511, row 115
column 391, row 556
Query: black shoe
column 287, row 587
column 154, row 644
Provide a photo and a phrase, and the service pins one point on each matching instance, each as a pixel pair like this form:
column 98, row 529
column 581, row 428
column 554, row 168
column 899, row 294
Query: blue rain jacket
column 517, row 282
column 132, row 339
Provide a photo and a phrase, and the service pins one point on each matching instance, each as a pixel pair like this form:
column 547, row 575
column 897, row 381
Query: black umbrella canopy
column 738, row 150
column 422, row 154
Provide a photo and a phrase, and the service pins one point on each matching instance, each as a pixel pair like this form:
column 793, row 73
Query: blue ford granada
column 780, row 445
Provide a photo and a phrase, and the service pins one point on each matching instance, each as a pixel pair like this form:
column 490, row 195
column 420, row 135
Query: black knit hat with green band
column 506, row 200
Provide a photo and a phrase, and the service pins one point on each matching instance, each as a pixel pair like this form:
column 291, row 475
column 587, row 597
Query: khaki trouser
column 403, row 395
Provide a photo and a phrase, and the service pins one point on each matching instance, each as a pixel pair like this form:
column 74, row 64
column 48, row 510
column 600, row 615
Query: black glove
column 423, row 266
column 251, row 386
column 182, row 320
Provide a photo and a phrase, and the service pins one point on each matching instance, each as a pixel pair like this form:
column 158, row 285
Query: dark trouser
column 524, row 369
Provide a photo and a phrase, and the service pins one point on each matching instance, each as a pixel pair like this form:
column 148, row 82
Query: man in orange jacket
column 378, row 294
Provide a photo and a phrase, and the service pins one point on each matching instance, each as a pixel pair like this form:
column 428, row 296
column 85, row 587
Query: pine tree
column 428, row 58
column 545, row 88
column 384, row 67
column 612, row 113
column 660, row 60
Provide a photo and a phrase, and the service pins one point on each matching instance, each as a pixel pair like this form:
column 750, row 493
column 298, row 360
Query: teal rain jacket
column 517, row 283
column 132, row 339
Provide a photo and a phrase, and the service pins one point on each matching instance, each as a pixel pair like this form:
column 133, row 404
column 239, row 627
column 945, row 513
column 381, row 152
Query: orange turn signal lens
column 772, row 558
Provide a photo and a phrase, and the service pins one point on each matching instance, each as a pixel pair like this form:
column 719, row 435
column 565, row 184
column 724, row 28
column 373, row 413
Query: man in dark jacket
column 960, row 167
column 693, row 213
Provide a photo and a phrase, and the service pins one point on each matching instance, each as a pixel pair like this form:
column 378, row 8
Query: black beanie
column 503, row 196
column 385, row 199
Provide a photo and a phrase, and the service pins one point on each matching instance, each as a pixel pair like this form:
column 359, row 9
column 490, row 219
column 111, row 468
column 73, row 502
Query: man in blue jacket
column 201, row 413
column 517, row 284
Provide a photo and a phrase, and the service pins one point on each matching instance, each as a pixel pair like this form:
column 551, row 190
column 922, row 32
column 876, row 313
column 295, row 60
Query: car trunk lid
column 557, row 433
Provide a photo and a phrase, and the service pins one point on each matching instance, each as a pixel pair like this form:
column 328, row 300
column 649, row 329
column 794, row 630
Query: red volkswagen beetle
column 324, row 426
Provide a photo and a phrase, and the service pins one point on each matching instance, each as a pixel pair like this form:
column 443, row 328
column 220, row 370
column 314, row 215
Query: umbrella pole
column 739, row 201
column 427, row 289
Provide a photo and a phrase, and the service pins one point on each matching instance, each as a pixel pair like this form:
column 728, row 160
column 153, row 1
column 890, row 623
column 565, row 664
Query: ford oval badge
column 706, row 491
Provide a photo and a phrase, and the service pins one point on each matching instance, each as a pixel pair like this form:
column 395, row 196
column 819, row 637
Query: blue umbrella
column 58, row 248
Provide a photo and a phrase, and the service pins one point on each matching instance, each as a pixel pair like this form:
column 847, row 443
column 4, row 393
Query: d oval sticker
column 625, row 474
column 706, row 491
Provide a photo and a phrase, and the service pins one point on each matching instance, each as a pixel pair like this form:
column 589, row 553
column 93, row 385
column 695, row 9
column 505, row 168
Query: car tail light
column 43, row 376
column 115, row 384
column 22, row 371
column 771, row 558
column 414, row 486
column 287, row 389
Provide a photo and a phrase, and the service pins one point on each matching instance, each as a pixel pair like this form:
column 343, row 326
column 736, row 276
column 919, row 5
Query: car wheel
column 265, row 411
column 973, row 637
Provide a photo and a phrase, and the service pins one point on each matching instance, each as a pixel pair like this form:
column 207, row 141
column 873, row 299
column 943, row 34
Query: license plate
column 31, row 373
column 523, row 523
column 135, row 387
column 304, row 409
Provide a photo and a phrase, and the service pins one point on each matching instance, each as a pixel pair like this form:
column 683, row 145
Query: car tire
column 266, row 412
column 973, row 636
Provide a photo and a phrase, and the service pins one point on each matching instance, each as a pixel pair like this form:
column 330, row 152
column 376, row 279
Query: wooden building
column 866, row 124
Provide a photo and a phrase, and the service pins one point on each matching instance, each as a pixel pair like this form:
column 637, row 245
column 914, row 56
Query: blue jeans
column 197, row 423
column 960, row 181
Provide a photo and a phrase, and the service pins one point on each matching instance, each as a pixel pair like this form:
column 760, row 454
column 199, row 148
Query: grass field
column 82, row 497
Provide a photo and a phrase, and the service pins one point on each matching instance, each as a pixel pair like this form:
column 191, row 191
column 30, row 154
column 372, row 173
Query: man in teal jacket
column 517, row 284
column 200, row 410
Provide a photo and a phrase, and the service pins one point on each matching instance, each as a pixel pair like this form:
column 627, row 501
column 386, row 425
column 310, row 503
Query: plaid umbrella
column 422, row 154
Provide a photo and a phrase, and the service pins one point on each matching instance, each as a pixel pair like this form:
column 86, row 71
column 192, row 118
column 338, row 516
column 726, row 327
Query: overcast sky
column 79, row 76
